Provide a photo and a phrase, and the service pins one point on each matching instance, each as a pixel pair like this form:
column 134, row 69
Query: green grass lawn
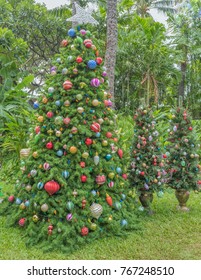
column 168, row 234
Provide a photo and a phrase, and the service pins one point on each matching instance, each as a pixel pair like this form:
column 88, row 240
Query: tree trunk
column 112, row 37
column 181, row 91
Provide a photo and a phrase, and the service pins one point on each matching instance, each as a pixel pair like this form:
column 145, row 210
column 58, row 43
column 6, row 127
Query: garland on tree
column 74, row 187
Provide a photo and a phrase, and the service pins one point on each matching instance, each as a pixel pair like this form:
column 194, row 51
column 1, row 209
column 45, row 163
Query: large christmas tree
column 147, row 167
column 74, row 186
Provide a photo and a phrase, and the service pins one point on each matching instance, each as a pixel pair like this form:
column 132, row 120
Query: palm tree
column 143, row 7
column 112, row 38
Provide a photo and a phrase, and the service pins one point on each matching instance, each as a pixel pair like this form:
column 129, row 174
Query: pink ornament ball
column 83, row 32
column 69, row 217
column 11, row 198
column 125, row 176
column 95, row 82
column 104, row 74
column 46, row 166
column 111, row 184
column 66, row 121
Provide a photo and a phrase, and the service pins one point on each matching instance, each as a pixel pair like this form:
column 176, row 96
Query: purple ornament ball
column 95, row 82
column 83, row 32
column 69, row 217
column 104, row 74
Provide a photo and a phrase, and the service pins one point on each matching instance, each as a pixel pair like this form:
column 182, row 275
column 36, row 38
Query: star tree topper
column 82, row 16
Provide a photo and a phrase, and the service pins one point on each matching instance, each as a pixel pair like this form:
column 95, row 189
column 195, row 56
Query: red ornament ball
column 88, row 43
column 67, row 85
column 50, row 227
column 82, row 164
column 88, row 141
column 52, row 187
column 64, row 43
column 95, row 127
column 79, row 59
column 11, row 198
column 37, row 129
column 83, row 178
column 142, row 173
column 22, row 222
column 49, row 115
column 100, row 179
column 66, row 121
column 125, row 176
column 109, row 135
column 190, row 128
column 84, row 231
column 99, row 60
column 49, row 145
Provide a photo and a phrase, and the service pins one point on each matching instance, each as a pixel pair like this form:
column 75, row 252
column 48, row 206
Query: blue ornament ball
column 36, row 105
column 58, row 103
column 40, row 185
column 65, row 174
column 27, row 203
column 71, row 33
column 93, row 192
column 124, row 223
column 59, row 153
column 108, row 157
column 98, row 134
column 92, row 64
column 118, row 169
column 18, row 201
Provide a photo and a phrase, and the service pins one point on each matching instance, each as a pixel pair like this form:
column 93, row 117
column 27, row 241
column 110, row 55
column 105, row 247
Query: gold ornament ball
column 44, row 100
column 40, row 119
column 104, row 143
column 22, row 206
column 85, row 155
column 95, row 102
column 73, row 150
column 192, row 155
column 111, row 175
column 35, row 218
column 35, row 154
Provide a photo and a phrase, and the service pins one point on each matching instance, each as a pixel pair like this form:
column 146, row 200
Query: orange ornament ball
column 73, row 150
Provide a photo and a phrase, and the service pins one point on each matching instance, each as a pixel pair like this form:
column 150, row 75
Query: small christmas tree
column 147, row 162
column 74, row 187
column 184, row 158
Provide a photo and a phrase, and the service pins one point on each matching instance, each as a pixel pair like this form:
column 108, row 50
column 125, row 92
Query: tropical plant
column 143, row 7
column 185, row 39
column 145, row 64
